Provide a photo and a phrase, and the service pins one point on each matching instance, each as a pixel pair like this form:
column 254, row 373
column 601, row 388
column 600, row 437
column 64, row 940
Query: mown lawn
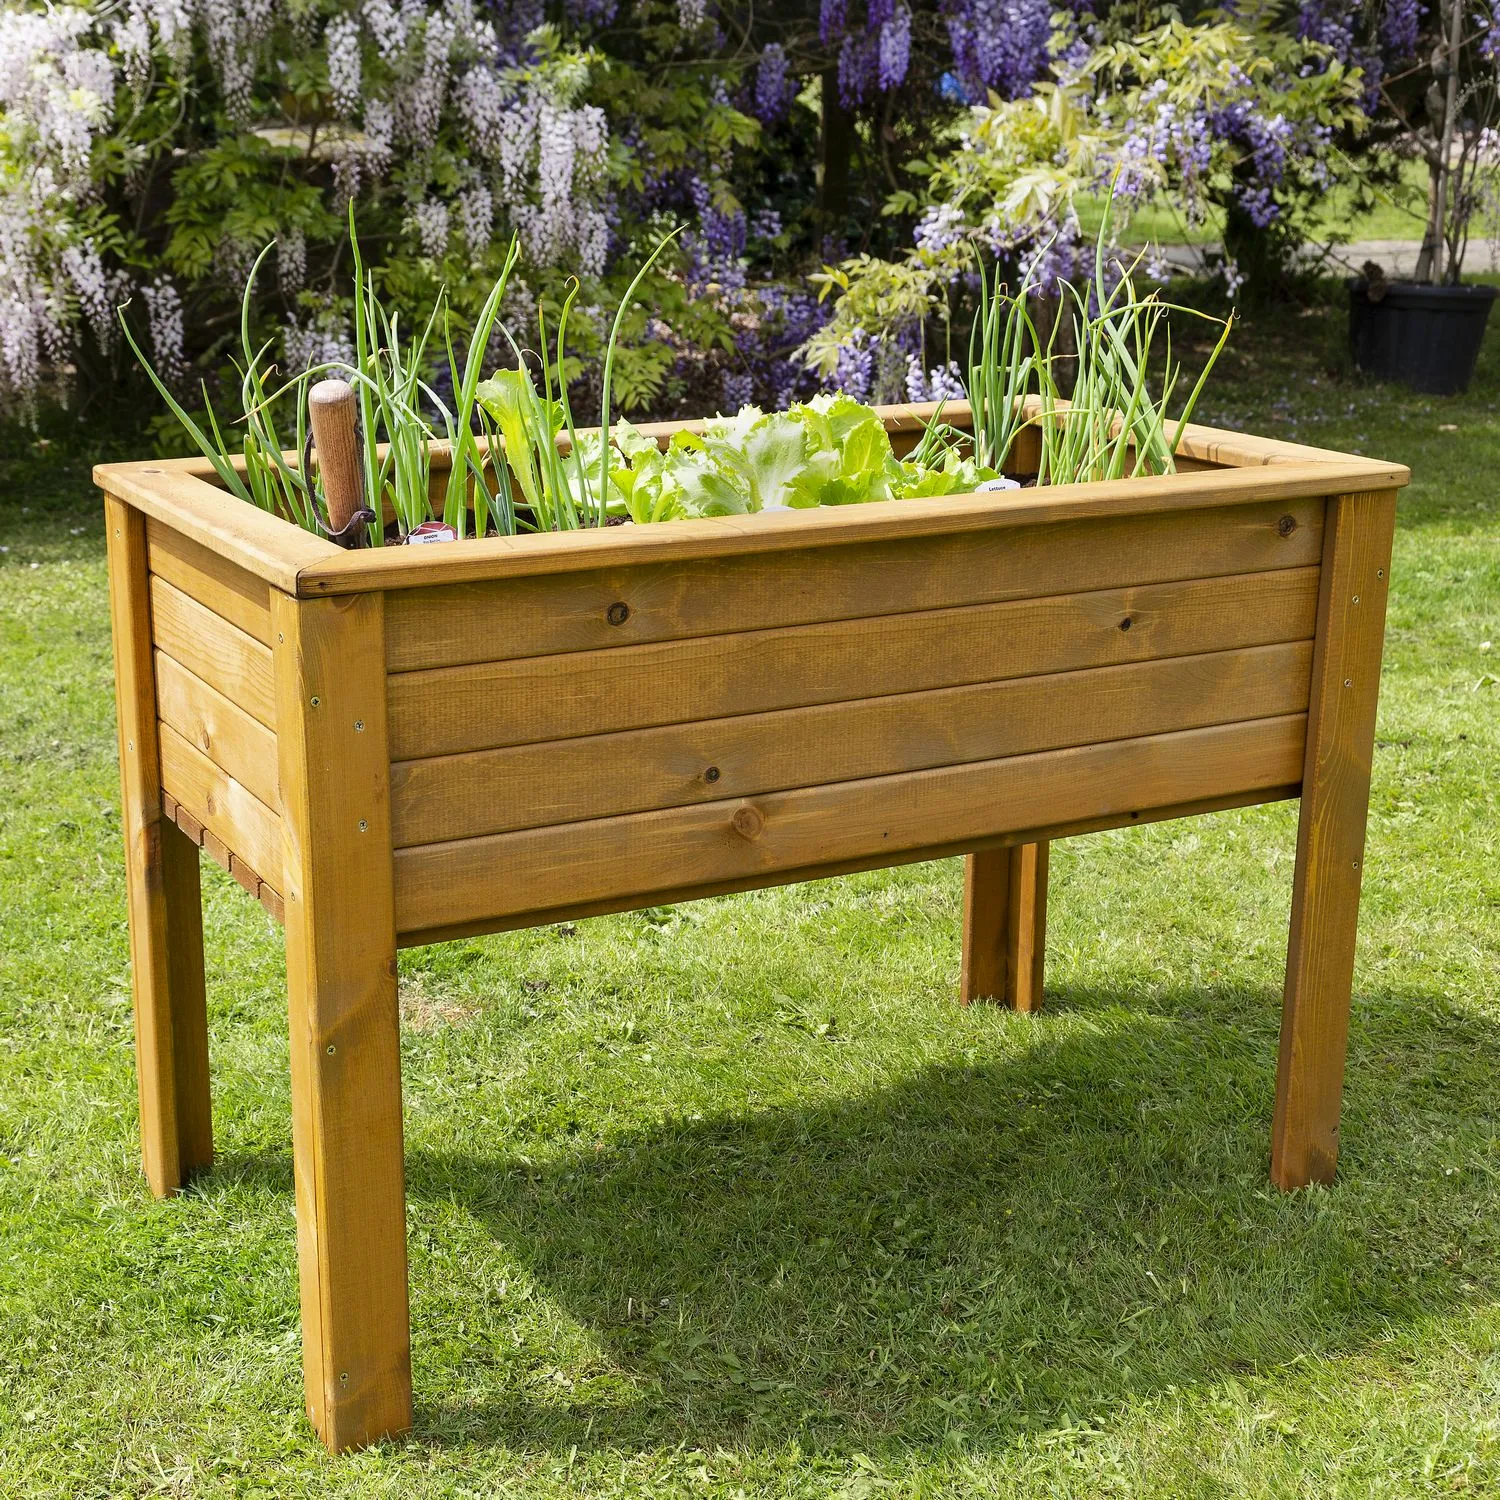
column 732, row 1200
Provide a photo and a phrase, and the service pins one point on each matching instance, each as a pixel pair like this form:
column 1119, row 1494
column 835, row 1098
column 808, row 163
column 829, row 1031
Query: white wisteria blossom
column 415, row 89
column 164, row 315
column 345, row 69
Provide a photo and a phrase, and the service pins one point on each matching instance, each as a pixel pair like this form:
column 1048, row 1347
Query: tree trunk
column 837, row 151
column 1430, row 266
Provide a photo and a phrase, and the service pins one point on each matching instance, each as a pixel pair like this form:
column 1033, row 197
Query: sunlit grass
column 732, row 1199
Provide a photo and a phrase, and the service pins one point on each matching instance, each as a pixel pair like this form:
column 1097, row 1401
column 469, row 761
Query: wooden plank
column 637, row 900
column 221, row 654
column 1331, row 838
column 190, row 826
column 223, row 731
column 216, row 849
column 828, row 526
column 633, row 606
column 230, row 812
column 271, row 900
column 162, row 891
column 341, row 980
column 451, row 710
column 1005, row 926
column 263, row 544
column 216, row 583
column 565, row 781
column 244, row 876
column 440, row 885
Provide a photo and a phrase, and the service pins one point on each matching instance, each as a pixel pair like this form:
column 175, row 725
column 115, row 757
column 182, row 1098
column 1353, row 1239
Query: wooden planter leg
column 1005, row 926
column 1331, row 837
column 161, row 873
column 341, row 981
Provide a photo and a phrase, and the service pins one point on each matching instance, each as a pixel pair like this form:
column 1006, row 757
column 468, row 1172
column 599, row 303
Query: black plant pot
column 1426, row 337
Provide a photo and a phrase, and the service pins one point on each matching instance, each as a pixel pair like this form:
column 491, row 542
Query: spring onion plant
column 518, row 461
column 268, row 480
column 1113, row 422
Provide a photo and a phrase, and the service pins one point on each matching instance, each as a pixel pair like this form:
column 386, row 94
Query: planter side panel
column 467, row 623
column 1122, row 668
column 211, row 630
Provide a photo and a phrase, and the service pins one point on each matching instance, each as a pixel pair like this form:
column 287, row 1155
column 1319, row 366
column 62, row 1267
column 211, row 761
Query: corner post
column 342, row 1005
column 1358, row 530
column 1005, row 926
column 163, row 895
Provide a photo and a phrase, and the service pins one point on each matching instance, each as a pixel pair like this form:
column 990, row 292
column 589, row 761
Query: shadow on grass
column 972, row 1251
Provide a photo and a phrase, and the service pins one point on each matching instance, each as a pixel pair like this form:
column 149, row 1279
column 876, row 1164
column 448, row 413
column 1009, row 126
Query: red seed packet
column 431, row 531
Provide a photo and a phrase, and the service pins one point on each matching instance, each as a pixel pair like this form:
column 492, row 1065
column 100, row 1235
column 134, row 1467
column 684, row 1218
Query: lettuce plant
column 831, row 450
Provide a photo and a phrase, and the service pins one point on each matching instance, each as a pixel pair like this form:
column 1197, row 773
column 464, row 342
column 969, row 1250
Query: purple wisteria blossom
column 771, row 91
column 895, row 49
column 999, row 44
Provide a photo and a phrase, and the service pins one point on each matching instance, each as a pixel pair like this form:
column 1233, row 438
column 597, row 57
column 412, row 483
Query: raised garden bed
column 402, row 745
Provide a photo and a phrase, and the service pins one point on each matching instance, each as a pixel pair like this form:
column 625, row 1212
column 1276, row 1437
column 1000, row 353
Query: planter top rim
column 1467, row 291
column 176, row 493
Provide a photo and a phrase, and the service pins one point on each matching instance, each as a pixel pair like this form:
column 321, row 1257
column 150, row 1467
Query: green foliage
column 831, row 450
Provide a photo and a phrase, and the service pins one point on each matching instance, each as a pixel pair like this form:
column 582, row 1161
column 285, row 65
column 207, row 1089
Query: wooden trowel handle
column 330, row 411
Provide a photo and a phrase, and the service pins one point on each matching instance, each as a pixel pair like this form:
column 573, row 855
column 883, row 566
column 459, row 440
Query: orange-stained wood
column 345, row 1046
column 203, row 575
column 680, row 682
column 161, row 872
column 482, row 879
column 560, row 781
column 631, row 606
column 220, row 653
column 1331, row 837
column 1005, row 926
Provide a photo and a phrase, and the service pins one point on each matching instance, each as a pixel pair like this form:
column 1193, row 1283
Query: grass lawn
column 732, row 1200
column 1400, row 213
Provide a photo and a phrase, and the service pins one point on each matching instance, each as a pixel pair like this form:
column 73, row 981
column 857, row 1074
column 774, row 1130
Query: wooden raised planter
column 402, row 745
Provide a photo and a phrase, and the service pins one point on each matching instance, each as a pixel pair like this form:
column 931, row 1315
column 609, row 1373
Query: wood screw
column 364, row 826
column 331, row 1049
column 315, row 701
column 1380, row 572
column 1355, row 600
column 1286, row 525
column 617, row 613
column 712, row 774
column 359, row 726
column 1348, row 682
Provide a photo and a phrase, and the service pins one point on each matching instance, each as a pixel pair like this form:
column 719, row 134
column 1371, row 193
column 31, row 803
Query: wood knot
column 748, row 822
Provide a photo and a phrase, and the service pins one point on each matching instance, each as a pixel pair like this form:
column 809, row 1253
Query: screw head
column 712, row 774
column 1355, row 599
column 331, row 1049
column 359, row 726
column 1348, row 682
column 364, row 826
column 1286, row 525
column 617, row 613
column 315, row 700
